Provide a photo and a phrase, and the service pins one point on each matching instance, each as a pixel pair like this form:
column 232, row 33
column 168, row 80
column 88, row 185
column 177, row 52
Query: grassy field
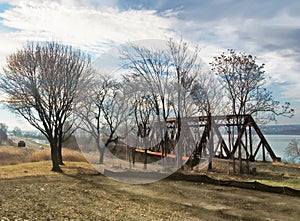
column 10, row 155
column 30, row 191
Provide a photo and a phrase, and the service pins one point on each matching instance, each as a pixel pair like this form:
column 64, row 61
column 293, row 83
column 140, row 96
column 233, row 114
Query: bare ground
column 83, row 194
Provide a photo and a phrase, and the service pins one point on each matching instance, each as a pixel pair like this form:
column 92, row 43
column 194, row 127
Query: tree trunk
column 180, row 143
column 241, row 171
column 239, row 140
column 210, row 143
column 54, row 157
column 101, row 150
column 133, row 156
column 60, row 160
column 101, row 159
column 145, row 159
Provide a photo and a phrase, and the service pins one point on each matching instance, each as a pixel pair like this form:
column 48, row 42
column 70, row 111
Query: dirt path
column 81, row 194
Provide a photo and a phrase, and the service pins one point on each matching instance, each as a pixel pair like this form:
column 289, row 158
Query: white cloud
column 8, row 45
column 285, row 19
column 90, row 29
column 281, row 65
column 274, row 41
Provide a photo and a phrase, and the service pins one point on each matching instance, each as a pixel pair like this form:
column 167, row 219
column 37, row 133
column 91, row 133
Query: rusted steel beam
column 264, row 141
column 257, row 149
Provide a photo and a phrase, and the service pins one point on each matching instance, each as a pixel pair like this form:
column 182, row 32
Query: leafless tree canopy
column 102, row 110
column 164, row 78
column 41, row 82
column 3, row 132
column 293, row 149
column 208, row 95
column 244, row 81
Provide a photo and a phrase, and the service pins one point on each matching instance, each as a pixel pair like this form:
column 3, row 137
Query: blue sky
column 267, row 29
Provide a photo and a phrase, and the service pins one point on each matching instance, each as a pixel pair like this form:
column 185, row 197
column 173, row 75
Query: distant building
column 21, row 143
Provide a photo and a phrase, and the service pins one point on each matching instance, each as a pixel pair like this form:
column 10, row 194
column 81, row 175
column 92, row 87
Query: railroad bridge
column 240, row 137
column 225, row 137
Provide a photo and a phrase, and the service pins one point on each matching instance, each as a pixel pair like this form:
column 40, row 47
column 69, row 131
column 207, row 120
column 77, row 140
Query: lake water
column 279, row 143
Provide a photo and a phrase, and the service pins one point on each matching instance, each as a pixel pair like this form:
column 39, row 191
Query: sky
column 269, row 30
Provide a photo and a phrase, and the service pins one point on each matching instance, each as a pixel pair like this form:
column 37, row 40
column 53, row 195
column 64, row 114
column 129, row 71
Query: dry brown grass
column 11, row 155
column 39, row 155
column 42, row 168
column 14, row 155
column 73, row 155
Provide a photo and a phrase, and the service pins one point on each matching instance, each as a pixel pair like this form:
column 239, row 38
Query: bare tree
column 207, row 94
column 115, row 112
column 90, row 108
column 244, row 82
column 41, row 82
column 186, row 67
column 149, row 68
column 142, row 106
column 3, row 132
column 17, row 131
column 168, row 75
column 293, row 149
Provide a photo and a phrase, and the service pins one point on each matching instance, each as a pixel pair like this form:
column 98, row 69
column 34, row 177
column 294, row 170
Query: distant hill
column 281, row 129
